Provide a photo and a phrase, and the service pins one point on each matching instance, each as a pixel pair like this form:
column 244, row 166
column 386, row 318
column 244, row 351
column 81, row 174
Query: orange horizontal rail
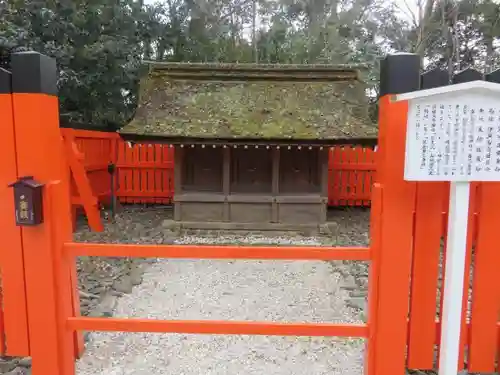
column 144, row 194
column 89, row 134
column 95, row 167
column 353, row 166
column 212, row 327
column 218, row 252
column 146, row 165
column 353, row 197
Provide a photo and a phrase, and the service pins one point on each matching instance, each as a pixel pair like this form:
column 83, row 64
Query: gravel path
column 298, row 291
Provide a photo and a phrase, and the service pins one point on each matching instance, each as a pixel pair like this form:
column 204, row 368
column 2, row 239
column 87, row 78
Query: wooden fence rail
column 145, row 171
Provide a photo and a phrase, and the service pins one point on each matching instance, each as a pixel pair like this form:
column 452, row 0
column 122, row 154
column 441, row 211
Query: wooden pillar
column 399, row 74
column 178, row 162
column 275, row 183
column 39, row 152
column 15, row 319
column 226, row 181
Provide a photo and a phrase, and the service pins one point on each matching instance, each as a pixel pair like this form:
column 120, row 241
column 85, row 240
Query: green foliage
column 99, row 44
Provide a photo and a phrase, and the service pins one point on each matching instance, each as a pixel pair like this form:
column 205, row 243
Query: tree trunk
column 423, row 28
column 254, row 32
column 489, row 55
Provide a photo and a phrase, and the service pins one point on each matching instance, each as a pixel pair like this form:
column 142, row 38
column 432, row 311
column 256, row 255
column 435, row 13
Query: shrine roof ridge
column 255, row 72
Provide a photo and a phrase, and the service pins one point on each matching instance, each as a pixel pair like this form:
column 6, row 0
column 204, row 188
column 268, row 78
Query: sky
column 407, row 5
column 408, row 11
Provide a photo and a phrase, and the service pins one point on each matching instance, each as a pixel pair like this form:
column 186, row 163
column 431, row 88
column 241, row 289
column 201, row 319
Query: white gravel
column 299, row 291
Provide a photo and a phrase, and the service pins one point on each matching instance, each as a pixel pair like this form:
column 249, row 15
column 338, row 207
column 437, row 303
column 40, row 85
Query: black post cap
column 5, row 81
column 399, row 73
column 467, row 75
column 493, row 76
column 33, row 73
column 434, row 78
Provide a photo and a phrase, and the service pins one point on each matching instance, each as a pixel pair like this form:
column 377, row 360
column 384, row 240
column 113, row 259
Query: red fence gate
column 406, row 225
column 144, row 172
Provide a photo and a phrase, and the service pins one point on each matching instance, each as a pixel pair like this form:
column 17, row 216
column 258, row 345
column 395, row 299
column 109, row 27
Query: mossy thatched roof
column 274, row 102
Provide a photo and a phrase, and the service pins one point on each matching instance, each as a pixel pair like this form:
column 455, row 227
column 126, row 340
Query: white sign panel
column 453, row 137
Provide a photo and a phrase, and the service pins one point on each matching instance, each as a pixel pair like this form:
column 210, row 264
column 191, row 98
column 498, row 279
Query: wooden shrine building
column 251, row 141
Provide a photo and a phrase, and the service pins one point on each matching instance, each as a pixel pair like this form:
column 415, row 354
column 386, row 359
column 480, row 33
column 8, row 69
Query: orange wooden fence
column 98, row 149
column 145, row 171
column 351, row 176
column 408, row 223
column 480, row 325
column 144, row 175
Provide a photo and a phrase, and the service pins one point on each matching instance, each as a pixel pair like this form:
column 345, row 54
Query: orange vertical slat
column 360, row 175
column 64, row 283
column 129, row 177
column 335, row 175
column 157, row 172
column 124, row 178
column 373, row 281
column 486, row 287
column 332, row 194
column 136, row 173
column 170, row 172
column 352, row 161
column 367, row 176
column 331, row 182
column 329, row 177
column 120, row 161
column 119, row 169
column 373, row 171
column 348, row 155
column 396, row 241
column 426, row 251
column 344, row 176
column 165, row 173
column 143, row 182
column 113, row 159
column 339, row 191
column 152, row 172
column 14, row 320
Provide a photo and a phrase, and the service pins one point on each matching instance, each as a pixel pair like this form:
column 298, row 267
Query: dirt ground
column 107, row 285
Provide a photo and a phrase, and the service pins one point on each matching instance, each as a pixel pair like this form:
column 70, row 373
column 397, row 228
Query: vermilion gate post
column 14, row 340
column 399, row 74
column 49, row 248
column 39, row 153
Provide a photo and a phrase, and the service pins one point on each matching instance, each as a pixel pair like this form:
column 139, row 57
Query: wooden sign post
column 453, row 134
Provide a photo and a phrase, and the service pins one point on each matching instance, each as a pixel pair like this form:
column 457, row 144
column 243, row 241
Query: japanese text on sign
column 453, row 140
